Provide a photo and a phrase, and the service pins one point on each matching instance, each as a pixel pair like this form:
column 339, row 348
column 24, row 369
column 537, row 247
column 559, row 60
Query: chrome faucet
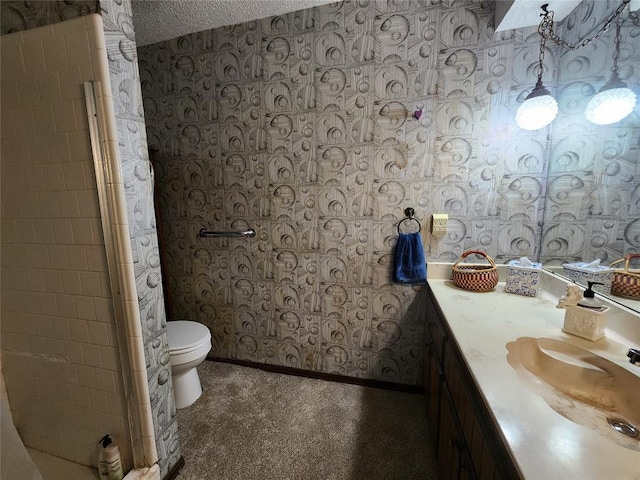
column 634, row 356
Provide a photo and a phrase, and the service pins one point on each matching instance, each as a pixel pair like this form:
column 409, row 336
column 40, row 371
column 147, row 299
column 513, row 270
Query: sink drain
column 624, row 427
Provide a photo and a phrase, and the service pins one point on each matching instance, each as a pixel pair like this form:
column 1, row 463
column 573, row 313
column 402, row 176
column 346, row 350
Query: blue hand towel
column 409, row 265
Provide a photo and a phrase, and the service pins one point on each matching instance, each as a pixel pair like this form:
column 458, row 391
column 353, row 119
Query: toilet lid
column 183, row 334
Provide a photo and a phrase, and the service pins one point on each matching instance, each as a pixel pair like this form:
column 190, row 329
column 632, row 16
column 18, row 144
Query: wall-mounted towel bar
column 206, row 233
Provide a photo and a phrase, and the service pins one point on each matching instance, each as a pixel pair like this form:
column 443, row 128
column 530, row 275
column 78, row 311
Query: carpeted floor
column 252, row 424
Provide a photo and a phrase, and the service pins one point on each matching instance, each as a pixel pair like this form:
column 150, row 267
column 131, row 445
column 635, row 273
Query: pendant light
column 615, row 100
column 539, row 108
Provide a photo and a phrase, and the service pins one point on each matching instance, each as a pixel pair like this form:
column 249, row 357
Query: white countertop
column 544, row 444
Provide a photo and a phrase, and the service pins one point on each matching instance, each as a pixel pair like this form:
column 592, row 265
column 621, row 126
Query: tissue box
column 523, row 280
column 580, row 274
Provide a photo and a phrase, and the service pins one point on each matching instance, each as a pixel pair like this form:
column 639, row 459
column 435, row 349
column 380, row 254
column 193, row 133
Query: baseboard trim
column 173, row 473
column 330, row 377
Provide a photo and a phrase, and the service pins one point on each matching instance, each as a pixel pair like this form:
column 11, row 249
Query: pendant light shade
column 610, row 106
column 538, row 110
column 615, row 100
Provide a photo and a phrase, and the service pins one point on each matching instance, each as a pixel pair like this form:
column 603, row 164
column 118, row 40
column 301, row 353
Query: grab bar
column 206, row 234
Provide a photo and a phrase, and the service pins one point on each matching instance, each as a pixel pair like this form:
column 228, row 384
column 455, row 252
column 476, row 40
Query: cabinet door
column 448, row 465
column 480, row 459
column 454, row 461
column 432, row 378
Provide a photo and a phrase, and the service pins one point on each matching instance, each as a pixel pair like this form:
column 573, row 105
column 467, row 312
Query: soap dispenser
column 587, row 318
column 109, row 464
column 589, row 298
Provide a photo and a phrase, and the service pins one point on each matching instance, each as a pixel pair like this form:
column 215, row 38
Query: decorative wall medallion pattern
column 138, row 181
column 310, row 138
column 301, row 126
column 594, row 171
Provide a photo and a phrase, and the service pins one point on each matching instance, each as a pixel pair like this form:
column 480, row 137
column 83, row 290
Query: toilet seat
column 185, row 336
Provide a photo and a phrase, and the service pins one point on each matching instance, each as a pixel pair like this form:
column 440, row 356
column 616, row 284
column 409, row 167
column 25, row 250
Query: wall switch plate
column 439, row 224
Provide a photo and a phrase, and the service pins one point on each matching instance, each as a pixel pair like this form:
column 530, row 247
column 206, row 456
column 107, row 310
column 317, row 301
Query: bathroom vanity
column 486, row 421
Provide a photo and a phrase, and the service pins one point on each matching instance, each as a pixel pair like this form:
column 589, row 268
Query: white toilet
column 189, row 344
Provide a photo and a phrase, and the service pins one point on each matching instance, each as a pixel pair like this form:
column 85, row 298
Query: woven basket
column 626, row 283
column 473, row 276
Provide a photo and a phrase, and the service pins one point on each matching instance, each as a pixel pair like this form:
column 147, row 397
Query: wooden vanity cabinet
column 467, row 443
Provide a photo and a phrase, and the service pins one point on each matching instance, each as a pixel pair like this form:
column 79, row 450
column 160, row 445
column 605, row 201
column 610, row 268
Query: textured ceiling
column 525, row 13
column 158, row 20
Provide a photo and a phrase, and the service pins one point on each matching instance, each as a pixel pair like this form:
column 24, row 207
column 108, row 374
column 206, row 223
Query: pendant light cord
column 615, row 81
column 539, row 89
column 616, row 50
column 543, row 42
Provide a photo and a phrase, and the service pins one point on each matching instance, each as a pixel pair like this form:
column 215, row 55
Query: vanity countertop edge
column 543, row 443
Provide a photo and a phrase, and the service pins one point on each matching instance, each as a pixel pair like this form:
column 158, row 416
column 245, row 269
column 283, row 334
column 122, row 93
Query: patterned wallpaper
column 136, row 172
column 138, row 181
column 593, row 196
column 302, row 127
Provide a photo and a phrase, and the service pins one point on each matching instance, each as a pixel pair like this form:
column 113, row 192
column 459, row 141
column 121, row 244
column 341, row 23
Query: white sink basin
column 582, row 386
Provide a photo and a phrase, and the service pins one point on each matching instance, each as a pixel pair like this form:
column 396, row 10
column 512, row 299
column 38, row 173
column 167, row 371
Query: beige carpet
column 252, row 424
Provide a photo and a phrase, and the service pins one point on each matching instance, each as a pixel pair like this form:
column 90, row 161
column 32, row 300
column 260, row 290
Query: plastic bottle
column 109, row 464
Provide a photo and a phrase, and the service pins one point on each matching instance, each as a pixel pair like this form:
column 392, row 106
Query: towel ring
column 409, row 212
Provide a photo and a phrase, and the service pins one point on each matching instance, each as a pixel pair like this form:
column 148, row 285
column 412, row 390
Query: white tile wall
column 59, row 345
